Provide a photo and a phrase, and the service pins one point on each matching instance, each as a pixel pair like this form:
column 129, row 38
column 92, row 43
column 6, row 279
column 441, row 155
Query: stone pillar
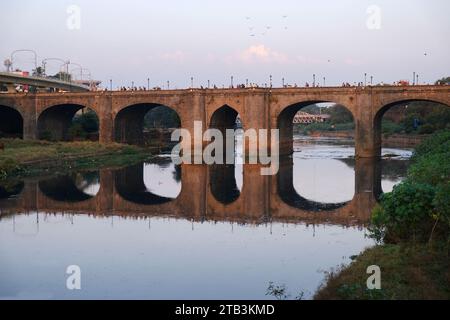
column 29, row 115
column 192, row 109
column 256, row 116
column 367, row 134
column 104, row 198
column 106, row 121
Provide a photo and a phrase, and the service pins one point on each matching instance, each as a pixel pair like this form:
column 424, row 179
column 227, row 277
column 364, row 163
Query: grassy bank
column 413, row 224
column 407, row 272
column 23, row 158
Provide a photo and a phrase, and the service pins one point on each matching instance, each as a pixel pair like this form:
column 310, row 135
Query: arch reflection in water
column 226, row 180
column 74, row 187
column 11, row 189
column 294, row 175
column 149, row 183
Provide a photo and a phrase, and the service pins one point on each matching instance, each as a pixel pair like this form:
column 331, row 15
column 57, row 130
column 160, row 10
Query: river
column 139, row 240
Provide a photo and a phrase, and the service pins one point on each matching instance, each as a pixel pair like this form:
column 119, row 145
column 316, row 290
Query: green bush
column 405, row 213
column 419, row 207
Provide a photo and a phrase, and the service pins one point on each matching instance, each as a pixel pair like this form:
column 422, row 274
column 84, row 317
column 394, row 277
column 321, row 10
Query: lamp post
column 282, row 82
column 168, row 84
column 110, row 84
column 371, row 80
column 417, row 79
column 148, row 83
column 314, row 80
column 324, row 81
column 270, row 81
column 132, row 85
column 192, row 82
column 64, row 64
column 208, row 84
column 246, row 82
column 23, row 50
column 365, row 79
column 231, row 81
column 414, row 78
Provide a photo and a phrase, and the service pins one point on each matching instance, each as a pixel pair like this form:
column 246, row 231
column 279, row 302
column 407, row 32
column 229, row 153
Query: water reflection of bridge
column 207, row 193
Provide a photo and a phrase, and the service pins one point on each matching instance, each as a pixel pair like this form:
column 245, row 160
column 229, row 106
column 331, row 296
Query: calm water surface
column 154, row 254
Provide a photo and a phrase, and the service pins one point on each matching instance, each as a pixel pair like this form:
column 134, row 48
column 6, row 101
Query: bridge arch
column 11, row 122
column 386, row 106
column 285, row 119
column 71, row 188
column 290, row 196
column 130, row 186
column 130, row 122
column 224, row 177
column 55, row 122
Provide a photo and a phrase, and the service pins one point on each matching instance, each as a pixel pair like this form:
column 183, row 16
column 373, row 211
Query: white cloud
column 259, row 54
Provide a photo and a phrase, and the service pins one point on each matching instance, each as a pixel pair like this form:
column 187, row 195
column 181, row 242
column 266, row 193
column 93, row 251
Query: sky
column 135, row 40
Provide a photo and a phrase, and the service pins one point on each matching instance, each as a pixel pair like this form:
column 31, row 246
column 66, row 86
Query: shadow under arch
column 287, row 192
column 285, row 123
column 11, row 122
column 222, row 177
column 8, row 190
column 129, row 122
column 64, row 188
column 222, row 182
column 54, row 122
column 130, row 185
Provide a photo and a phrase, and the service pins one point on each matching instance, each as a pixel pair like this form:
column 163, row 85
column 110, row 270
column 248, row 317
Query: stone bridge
column 121, row 114
column 216, row 197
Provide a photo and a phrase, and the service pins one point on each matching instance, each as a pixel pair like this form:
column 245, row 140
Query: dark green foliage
column 418, row 208
column 83, row 125
column 405, row 213
column 161, row 117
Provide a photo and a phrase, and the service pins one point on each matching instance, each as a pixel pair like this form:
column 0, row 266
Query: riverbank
column 413, row 224
column 389, row 141
column 25, row 158
column 408, row 272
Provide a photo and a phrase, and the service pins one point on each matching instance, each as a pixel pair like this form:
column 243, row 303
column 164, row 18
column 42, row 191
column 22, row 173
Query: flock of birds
column 253, row 30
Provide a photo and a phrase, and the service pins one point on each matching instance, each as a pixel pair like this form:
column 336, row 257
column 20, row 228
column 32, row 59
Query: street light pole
column 192, row 82
column 270, row 81
column 414, row 78
column 282, row 82
column 417, row 77
column 208, row 84
column 231, row 81
column 148, row 83
column 314, row 80
column 365, row 79
column 371, row 80
column 324, row 81
column 110, row 84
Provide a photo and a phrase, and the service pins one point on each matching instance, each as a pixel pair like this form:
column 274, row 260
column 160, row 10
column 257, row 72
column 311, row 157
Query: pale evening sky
column 174, row 40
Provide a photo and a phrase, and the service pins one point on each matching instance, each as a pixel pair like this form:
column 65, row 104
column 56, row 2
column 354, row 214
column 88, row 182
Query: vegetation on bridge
column 413, row 223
